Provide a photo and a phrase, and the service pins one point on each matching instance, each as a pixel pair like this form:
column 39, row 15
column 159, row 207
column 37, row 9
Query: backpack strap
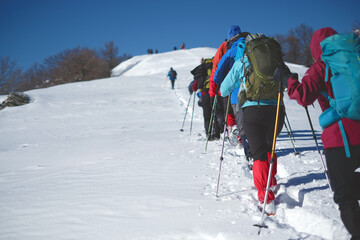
column 237, row 108
column 343, row 134
column 341, row 126
column 324, row 93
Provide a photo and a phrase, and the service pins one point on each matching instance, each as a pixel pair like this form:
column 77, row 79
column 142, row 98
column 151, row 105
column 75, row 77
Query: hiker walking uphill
column 214, row 90
column 202, row 82
column 233, row 36
column 233, row 88
column 235, row 51
column 172, row 76
column 324, row 81
column 260, row 106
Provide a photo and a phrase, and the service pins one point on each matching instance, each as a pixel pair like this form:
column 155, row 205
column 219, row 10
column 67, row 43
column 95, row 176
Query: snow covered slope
column 105, row 159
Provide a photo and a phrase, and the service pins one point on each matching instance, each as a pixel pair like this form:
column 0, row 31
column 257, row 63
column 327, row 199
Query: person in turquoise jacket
column 233, row 85
column 258, row 122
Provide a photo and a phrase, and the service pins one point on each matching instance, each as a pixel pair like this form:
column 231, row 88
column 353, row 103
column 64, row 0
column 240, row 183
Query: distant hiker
column 182, row 46
column 259, row 104
column 172, row 76
column 202, row 82
column 345, row 182
column 156, row 51
column 175, row 48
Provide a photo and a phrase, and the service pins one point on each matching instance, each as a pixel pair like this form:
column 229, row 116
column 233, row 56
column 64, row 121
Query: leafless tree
column 37, row 76
column 296, row 45
column 304, row 33
column 109, row 54
column 78, row 64
column 10, row 75
column 293, row 53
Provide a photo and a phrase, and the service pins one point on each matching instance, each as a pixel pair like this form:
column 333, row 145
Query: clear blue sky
column 32, row 30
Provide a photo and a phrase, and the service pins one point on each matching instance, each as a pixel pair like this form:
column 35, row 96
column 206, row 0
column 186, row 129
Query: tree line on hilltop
column 83, row 64
column 71, row 65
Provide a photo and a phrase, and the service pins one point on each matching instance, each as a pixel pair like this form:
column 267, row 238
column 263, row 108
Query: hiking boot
column 233, row 135
column 270, row 208
column 250, row 161
column 214, row 136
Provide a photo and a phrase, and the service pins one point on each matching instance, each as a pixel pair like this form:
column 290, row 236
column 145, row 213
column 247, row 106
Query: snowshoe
column 234, row 136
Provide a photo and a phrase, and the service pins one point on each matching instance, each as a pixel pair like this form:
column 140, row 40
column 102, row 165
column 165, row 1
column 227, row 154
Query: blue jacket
column 169, row 75
column 235, row 78
column 226, row 63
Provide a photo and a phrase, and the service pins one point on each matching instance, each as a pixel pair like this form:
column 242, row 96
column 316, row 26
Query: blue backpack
column 341, row 53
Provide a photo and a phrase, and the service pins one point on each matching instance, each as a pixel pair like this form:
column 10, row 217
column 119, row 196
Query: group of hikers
column 241, row 90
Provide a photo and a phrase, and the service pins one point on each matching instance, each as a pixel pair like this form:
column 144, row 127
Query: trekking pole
column 182, row 128
column 192, row 115
column 211, row 121
column 291, row 131
column 223, row 143
column 295, row 152
column 288, row 122
column 262, row 224
column 317, row 146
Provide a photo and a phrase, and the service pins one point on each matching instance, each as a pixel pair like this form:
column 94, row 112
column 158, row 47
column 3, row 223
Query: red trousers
column 260, row 175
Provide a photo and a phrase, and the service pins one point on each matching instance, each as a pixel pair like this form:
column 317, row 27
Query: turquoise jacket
column 236, row 79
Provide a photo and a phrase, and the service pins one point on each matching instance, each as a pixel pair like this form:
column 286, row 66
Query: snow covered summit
column 105, row 159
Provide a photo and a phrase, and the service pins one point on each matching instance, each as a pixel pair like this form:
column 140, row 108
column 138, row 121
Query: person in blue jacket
column 172, row 76
column 235, row 52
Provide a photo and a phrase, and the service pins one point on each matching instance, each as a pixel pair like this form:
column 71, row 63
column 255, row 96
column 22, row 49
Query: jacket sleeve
column 195, row 85
column 222, row 68
column 233, row 79
column 219, row 53
column 306, row 92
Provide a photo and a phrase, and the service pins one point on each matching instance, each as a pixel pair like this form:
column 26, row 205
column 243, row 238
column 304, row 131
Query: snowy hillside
column 105, row 159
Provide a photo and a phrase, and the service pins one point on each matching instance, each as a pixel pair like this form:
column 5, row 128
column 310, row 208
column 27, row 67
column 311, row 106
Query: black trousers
column 345, row 183
column 172, row 83
column 219, row 114
column 259, row 126
column 205, row 104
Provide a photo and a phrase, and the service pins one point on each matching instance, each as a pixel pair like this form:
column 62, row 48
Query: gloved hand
column 282, row 74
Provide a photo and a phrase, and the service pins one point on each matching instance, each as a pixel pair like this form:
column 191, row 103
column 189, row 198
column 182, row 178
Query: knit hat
column 233, row 31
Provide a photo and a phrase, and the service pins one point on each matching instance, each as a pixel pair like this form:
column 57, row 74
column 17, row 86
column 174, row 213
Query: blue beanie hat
column 233, row 31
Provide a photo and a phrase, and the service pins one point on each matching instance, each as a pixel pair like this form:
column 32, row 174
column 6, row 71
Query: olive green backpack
column 264, row 53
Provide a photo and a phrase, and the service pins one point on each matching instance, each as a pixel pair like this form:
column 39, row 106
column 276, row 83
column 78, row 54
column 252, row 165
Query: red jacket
column 219, row 53
column 310, row 89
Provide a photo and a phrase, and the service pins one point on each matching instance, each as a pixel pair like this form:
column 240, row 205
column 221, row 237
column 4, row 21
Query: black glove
column 282, row 74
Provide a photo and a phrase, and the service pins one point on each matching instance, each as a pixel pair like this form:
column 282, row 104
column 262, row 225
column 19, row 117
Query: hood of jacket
column 317, row 38
column 233, row 31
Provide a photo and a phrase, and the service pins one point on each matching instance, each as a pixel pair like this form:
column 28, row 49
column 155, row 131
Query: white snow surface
column 105, row 159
